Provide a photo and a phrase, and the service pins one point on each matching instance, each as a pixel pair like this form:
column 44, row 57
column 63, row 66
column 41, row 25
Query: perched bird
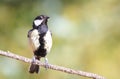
column 40, row 40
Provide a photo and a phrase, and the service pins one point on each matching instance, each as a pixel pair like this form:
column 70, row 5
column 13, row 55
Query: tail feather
column 33, row 67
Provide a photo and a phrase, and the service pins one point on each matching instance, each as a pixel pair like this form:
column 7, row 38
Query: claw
column 33, row 60
column 46, row 63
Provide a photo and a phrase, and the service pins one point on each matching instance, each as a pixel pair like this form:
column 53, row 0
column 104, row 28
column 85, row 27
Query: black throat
column 43, row 29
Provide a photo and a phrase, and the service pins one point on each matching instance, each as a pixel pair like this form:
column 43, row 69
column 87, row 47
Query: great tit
column 40, row 40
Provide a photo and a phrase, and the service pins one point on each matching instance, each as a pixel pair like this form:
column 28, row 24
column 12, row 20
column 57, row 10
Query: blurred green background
column 86, row 36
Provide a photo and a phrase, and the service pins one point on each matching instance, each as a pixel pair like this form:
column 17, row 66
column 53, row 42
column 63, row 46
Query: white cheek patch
column 38, row 22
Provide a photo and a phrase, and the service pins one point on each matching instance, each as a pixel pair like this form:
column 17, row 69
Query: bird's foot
column 46, row 63
column 33, row 60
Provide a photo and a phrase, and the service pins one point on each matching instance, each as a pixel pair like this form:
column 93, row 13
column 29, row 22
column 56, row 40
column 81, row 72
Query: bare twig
column 50, row 66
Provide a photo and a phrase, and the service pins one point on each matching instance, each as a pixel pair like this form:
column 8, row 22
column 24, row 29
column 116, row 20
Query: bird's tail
column 33, row 67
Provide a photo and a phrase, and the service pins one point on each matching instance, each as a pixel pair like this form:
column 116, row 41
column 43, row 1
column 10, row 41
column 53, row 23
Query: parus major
column 40, row 40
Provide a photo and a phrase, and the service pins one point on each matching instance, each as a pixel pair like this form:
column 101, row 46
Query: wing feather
column 33, row 37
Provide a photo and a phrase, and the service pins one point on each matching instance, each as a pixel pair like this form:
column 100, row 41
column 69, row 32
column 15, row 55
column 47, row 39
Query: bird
column 40, row 40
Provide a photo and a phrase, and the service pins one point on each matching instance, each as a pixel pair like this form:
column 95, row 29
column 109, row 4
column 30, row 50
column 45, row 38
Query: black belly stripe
column 41, row 51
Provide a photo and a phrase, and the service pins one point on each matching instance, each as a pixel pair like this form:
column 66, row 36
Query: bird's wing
column 33, row 37
column 29, row 33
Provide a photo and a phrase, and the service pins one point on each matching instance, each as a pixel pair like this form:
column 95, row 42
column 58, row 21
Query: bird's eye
column 41, row 17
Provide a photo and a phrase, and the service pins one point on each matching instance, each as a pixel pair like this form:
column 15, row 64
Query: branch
column 50, row 66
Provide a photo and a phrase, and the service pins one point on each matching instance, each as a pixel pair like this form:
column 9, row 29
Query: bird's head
column 42, row 19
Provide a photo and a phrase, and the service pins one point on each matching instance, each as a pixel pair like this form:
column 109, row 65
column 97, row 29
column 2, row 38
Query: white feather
column 38, row 22
column 48, row 41
column 34, row 39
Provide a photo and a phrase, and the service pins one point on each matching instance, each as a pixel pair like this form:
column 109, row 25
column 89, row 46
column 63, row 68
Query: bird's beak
column 47, row 17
